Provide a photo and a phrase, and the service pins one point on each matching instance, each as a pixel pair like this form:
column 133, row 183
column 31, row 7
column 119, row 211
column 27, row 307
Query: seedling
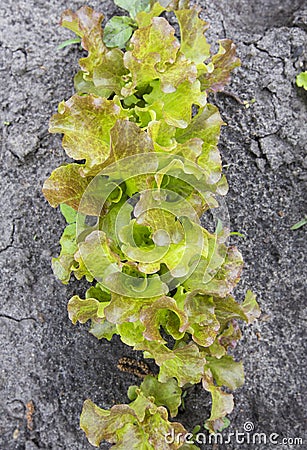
column 299, row 224
column 301, row 80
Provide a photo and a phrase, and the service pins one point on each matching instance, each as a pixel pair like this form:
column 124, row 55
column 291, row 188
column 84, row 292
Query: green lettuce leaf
column 141, row 425
column 128, row 139
column 164, row 394
column 102, row 329
column 89, row 196
column 65, row 185
column 163, row 312
column 62, row 267
column 204, row 325
column 122, row 309
column 115, row 218
column 118, row 31
column 82, row 310
column 190, row 150
column 86, row 23
column 227, row 309
column 131, row 333
column 83, row 86
column 185, row 184
column 63, row 264
column 99, row 293
column 86, row 123
column 179, row 242
column 181, row 71
column 96, row 257
column 216, row 349
column 150, row 248
column 301, row 80
column 251, row 307
column 131, row 148
column 230, row 335
column 92, row 307
column 175, row 4
column 206, row 125
column 143, row 18
column 154, row 211
column 193, row 42
column 216, row 75
column 219, row 274
column 154, row 56
column 222, row 404
column 102, row 69
column 226, row 371
column 162, row 134
column 136, row 285
column 175, row 107
column 186, row 363
column 99, row 424
column 153, row 48
column 134, row 6
column 107, row 78
column 69, row 213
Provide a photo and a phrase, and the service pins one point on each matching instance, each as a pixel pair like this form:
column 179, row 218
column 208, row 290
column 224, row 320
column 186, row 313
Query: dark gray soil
column 48, row 361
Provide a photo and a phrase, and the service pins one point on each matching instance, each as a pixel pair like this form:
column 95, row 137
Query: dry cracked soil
column 48, row 366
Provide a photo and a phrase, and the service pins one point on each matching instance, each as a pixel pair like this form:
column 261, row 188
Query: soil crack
column 263, row 50
column 12, row 236
column 14, row 319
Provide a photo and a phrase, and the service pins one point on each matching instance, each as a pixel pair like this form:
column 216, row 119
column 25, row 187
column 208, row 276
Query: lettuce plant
column 144, row 138
column 301, row 80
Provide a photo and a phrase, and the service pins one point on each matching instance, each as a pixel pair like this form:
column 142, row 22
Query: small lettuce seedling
column 301, row 80
column 144, row 138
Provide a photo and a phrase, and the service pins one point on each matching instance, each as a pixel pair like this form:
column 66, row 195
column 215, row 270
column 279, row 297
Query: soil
column 48, row 366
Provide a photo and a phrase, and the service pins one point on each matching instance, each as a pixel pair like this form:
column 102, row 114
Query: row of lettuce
column 148, row 167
